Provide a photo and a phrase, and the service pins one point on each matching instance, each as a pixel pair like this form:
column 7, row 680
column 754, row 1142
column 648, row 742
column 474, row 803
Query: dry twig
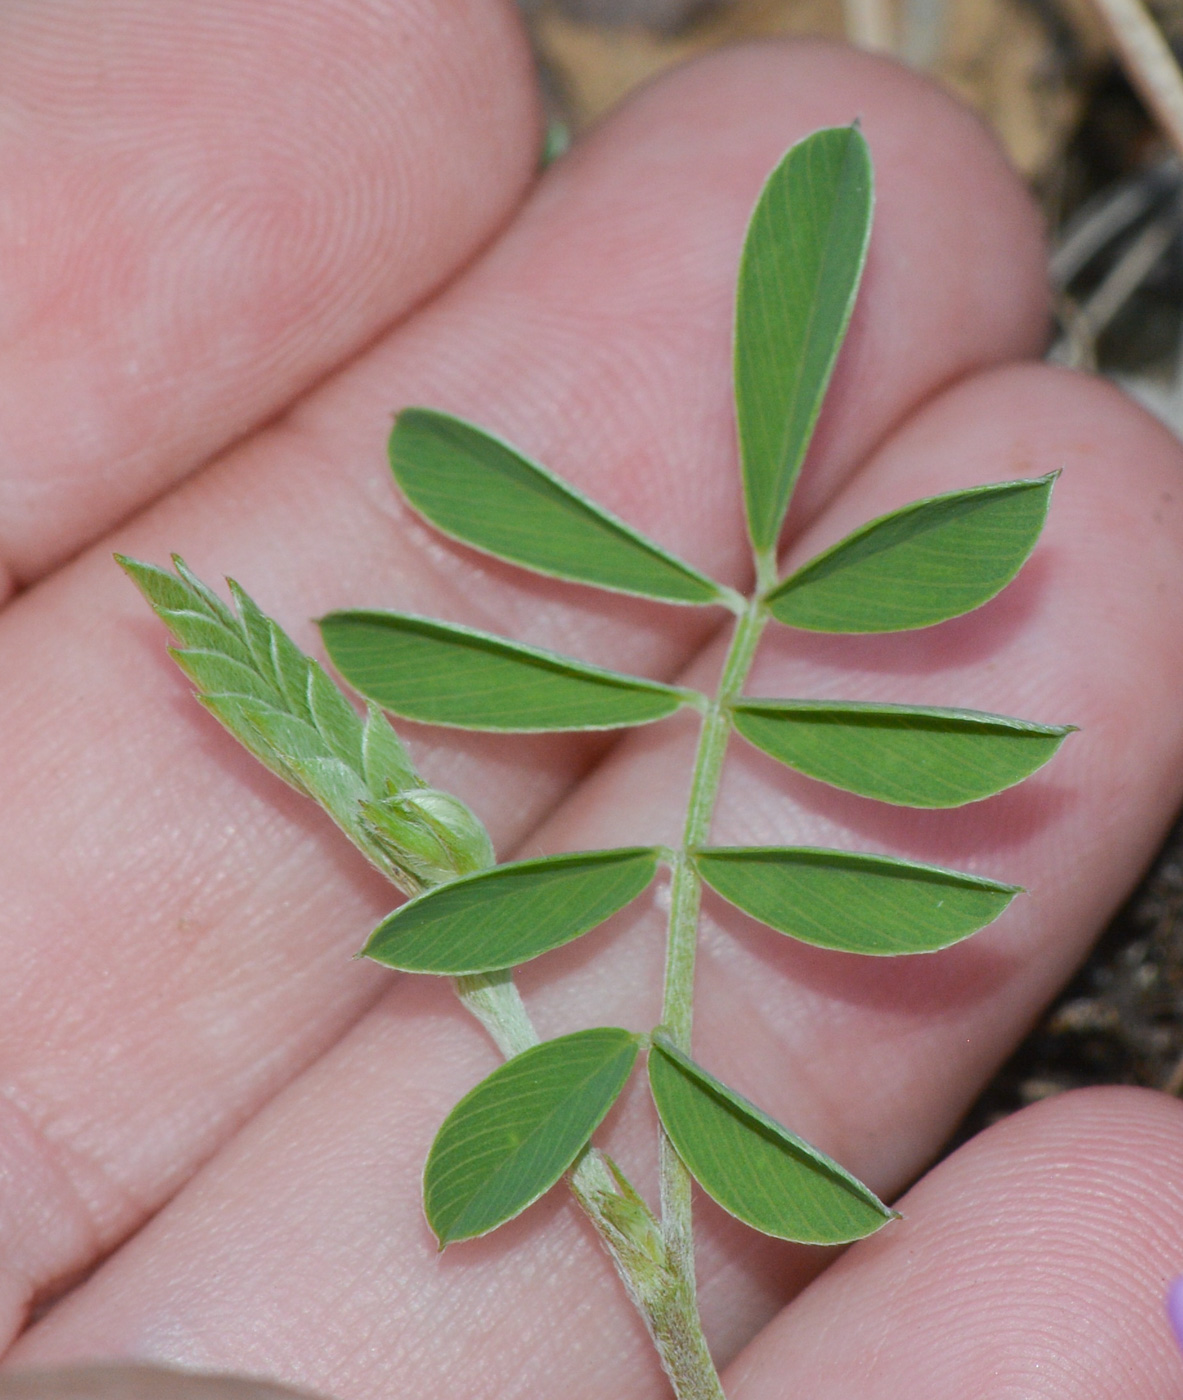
column 1148, row 61
column 869, row 24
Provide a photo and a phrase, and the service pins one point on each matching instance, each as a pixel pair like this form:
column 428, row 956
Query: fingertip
column 210, row 206
column 1032, row 1261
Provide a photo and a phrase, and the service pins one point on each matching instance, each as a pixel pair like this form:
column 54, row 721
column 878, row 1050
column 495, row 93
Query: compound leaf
column 481, row 491
column 756, row 1169
column 853, row 902
column 912, row 756
column 799, row 273
column 444, row 674
column 932, row 560
column 512, row 913
column 512, row 1137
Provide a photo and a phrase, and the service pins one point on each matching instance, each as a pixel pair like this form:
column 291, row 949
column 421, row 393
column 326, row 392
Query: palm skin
column 237, row 239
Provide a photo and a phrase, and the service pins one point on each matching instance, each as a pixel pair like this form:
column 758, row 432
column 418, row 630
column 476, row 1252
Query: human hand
column 208, row 1103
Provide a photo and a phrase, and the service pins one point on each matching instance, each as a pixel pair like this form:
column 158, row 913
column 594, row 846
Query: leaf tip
column 138, row 570
column 442, row 1238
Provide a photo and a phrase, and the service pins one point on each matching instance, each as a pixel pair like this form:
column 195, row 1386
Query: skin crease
column 213, row 1112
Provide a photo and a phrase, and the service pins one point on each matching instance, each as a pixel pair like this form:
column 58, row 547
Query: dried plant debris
column 1025, row 65
column 1117, row 276
column 663, row 15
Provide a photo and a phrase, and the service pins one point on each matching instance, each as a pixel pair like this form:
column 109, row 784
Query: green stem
column 686, row 888
column 767, row 571
column 493, row 998
column 655, row 1260
column 630, row 1233
column 678, row 1000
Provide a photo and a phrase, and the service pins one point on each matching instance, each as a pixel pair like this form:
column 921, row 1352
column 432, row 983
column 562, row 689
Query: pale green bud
column 430, row 834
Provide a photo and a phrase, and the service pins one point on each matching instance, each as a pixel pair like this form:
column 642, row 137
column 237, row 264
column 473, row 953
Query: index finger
column 207, row 207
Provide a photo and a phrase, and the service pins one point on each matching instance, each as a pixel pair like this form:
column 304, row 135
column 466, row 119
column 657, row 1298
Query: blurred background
column 1063, row 100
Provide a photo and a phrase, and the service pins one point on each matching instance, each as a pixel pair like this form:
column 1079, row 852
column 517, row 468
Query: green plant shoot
column 530, row 1123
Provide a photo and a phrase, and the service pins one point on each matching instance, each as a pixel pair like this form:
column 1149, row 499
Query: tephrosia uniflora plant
column 513, row 1136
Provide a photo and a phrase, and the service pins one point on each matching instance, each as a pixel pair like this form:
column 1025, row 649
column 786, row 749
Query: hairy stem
column 686, row 889
column 493, row 998
column 655, row 1260
column 628, row 1229
column 681, row 1319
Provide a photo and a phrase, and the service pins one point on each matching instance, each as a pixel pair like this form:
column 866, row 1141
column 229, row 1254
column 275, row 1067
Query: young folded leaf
column 853, row 902
column 481, row 491
column 911, row 755
column 429, row 833
column 441, row 673
column 280, row 705
column 798, row 276
column 753, row 1166
column 512, row 1137
column 512, row 913
column 925, row 563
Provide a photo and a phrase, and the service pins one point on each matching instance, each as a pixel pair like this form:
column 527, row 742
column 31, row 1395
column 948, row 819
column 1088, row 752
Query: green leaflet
column 756, row 1169
column 444, row 674
column 512, row 913
column 912, row 756
column 799, row 273
column 852, row 902
column 932, row 560
column 279, row 704
column 481, row 491
column 510, row 1139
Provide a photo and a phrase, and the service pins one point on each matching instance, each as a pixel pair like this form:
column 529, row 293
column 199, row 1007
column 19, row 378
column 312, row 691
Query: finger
column 1033, row 1262
column 209, row 206
column 207, row 983
column 873, row 1062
